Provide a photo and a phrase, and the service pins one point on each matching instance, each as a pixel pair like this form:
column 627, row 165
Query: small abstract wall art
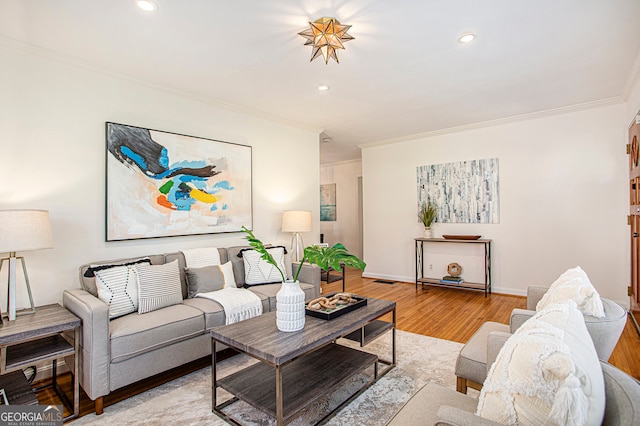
column 328, row 202
column 162, row 184
column 464, row 192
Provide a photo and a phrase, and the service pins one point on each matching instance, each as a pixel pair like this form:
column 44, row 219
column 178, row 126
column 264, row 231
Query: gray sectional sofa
column 115, row 353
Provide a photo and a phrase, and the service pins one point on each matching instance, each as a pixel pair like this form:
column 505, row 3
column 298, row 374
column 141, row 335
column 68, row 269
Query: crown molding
column 499, row 122
column 342, row 162
column 66, row 60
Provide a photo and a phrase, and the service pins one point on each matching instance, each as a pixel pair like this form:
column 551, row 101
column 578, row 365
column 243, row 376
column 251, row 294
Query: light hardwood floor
column 449, row 314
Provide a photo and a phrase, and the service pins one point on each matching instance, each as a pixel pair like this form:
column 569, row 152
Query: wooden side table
column 41, row 337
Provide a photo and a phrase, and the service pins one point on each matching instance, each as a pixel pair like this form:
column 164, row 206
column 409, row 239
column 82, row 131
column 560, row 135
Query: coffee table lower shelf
column 304, row 380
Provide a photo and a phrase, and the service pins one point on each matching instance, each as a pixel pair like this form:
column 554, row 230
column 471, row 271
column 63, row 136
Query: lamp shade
column 23, row 230
column 296, row 221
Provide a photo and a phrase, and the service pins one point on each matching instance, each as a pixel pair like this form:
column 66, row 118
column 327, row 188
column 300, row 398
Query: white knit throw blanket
column 200, row 257
column 238, row 303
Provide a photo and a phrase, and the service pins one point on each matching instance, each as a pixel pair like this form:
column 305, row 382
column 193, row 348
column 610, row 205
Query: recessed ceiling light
column 323, row 87
column 147, row 5
column 467, row 38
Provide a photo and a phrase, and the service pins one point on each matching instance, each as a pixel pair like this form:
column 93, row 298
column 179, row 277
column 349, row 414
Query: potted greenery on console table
column 290, row 311
column 427, row 215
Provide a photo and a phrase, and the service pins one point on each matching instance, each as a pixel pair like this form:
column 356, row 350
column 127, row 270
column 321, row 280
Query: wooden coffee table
column 308, row 363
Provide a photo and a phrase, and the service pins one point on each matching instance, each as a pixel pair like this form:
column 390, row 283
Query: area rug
column 187, row 400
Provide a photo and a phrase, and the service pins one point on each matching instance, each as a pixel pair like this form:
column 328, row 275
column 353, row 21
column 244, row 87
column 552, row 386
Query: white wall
column 345, row 229
column 633, row 101
column 52, row 131
column 563, row 199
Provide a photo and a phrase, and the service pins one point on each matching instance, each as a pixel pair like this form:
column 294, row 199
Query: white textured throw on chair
column 201, row 257
column 238, row 303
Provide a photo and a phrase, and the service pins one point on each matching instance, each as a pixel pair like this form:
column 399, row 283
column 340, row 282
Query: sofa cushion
column 118, row 288
column 546, row 373
column 269, row 292
column 159, row 286
column 133, row 334
column 214, row 315
column 259, row 271
column 87, row 277
column 574, row 285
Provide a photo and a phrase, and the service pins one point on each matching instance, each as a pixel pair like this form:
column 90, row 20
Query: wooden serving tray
column 329, row 315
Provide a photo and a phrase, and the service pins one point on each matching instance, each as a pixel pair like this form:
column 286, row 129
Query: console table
column 420, row 262
column 40, row 337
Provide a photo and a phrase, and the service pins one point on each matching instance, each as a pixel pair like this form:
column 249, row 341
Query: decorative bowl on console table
column 461, row 237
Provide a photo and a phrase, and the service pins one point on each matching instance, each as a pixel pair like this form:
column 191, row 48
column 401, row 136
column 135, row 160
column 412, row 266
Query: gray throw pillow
column 204, row 280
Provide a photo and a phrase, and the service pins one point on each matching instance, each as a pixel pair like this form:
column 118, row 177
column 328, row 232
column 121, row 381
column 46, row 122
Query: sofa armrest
column 518, row 317
column 94, row 340
column 534, row 294
column 309, row 274
column 495, row 342
column 448, row 415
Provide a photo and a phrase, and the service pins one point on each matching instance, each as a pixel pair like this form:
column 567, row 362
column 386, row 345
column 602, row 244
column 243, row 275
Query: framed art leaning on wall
column 162, row 184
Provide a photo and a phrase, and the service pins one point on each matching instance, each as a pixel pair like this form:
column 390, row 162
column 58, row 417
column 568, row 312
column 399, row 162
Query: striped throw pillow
column 158, row 286
column 118, row 288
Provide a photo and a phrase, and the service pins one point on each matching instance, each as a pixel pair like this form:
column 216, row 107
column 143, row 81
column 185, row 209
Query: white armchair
column 472, row 366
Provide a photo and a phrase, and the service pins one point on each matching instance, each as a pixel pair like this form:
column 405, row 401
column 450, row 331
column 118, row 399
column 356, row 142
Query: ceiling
column 404, row 74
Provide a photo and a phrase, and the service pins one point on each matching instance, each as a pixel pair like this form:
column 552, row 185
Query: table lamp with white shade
column 22, row 230
column 297, row 221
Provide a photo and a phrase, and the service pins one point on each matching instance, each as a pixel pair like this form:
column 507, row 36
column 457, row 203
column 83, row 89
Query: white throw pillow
column 118, row 288
column 159, row 286
column 548, row 372
column 258, row 271
column 227, row 273
column 574, row 284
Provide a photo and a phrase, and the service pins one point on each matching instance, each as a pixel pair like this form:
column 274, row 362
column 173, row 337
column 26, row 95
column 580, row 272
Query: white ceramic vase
column 290, row 313
column 428, row 233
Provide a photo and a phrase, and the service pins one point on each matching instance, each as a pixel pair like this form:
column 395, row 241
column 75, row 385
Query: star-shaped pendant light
column 326, row 35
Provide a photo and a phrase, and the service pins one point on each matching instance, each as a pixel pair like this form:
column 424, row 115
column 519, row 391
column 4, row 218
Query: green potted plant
column 428, row 214
column 290, row 306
